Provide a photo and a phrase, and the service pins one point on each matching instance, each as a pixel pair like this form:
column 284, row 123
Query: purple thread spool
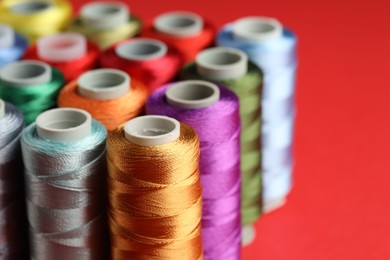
column 214, row 113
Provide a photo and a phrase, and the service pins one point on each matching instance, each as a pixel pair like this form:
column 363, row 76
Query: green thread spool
column 32, row 86
column 106, row 23
column 230, row 67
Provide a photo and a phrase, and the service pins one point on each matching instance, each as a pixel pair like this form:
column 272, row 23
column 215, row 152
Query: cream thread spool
column 179, row 24
column 104, row 15
column 104, row 84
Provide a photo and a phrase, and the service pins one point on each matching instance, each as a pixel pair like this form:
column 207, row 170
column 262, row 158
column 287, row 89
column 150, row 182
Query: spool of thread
column 273, row 48
column 151, row 61
column 64, row 158
column 213, row 112
column 230, row 68
column 106, row 23
column 32, row 86
column 68, row 52
column 107, row 94
column 155, row 201
column 13, row 244
column 34, row 19
column 188, row 32
column 12, row 45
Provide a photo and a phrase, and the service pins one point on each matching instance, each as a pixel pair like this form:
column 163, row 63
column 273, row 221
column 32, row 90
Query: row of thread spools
column 242, row 115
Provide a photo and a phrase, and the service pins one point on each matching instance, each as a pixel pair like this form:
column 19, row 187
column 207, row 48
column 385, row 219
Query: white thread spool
column 141, row 49
column 104, row 15
column 2, row 108
column 62, row 47
column 103, row 84
column 152, row 130
column 179, row 24
column 64, row 124
column 26, row 73
column 192, row 94
column 256, row 29
column 7, row 36
column 32, row 7
column 277, row 183
column 222, row 63
column 278, row 100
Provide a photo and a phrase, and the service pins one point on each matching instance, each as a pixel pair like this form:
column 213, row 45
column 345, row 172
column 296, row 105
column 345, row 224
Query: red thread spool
column 68, row 52
column 151, row 61
column 186, row 31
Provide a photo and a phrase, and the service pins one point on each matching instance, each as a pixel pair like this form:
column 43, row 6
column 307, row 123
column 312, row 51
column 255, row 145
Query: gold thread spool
column 151, row 160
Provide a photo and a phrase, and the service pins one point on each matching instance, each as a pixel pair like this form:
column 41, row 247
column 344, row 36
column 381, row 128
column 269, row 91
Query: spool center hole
column 142, row 48
column 63, row 120
column 192, row 92
column 222, row 58
column 107, row 80
column 103, row 10
column 25, row 71
column 30, row 7
column 179, row 22
column 259, row 27
column 154, row 132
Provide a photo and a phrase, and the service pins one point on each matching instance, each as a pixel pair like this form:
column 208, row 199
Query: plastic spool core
column 64, row 124
column 256, row 28
column 7, row 36
column 248, row 234
column 103, row 84
column 152, row 130
column 192, row 94
column 104, row 15
column 30, row 7
column 2, row 108
column 62, row 47
column 26, row 73
column 222, row 63
column 141, row 49
column 179, row 24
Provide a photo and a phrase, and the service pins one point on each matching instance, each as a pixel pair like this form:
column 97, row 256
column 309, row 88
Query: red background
column 340, row 205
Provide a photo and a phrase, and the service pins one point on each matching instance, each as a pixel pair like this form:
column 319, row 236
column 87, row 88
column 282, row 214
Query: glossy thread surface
column 33, row 99
column 70, row 69
column 113, row 112
column 219, row 168
column 155, row 203
column 65, row 192
column 13, row 235
column 153, row 73
column 248, row 90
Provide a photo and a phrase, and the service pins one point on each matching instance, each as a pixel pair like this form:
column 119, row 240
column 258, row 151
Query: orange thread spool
column 107, row 95
column 186, row 31
column 155, row 202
